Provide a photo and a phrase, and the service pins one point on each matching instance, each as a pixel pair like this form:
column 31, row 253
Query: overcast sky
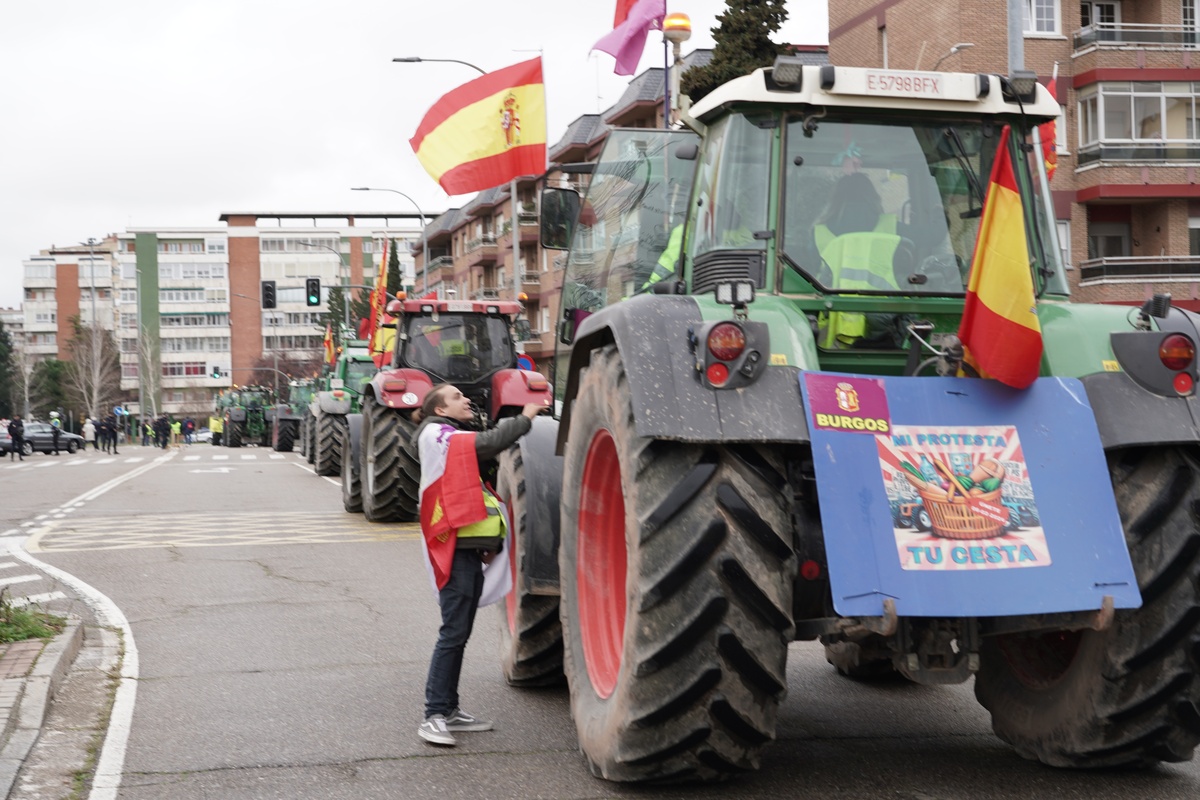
column 137, row 113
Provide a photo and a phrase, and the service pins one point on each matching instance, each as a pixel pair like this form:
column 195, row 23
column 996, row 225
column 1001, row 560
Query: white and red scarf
column 451, row 498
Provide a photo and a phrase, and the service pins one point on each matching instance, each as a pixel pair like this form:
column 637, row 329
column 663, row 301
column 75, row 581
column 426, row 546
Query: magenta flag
column 627, row 41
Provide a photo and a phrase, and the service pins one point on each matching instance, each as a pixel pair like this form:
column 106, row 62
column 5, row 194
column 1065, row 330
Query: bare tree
column 149, row 361
column 23, row 364
column 94, row 379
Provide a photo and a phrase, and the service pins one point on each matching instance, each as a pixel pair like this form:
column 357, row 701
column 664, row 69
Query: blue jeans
column 459, row 600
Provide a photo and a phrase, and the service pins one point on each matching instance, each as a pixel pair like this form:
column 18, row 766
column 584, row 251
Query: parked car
column 40, row 437
column 5, row 441
column 202, row 436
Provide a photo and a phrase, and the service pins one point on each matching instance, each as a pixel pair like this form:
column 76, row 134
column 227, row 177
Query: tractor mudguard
column 354, row 431
column 651, row 332
column 543, row 491
column 334, row 405
column 237, row 415
column 1128, row 415
column 399, row 388
column 967, row 450
column 513, row 388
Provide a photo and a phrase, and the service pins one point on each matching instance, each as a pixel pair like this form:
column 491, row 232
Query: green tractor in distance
column 338, row 393
column 287, row 418
column 243, row 413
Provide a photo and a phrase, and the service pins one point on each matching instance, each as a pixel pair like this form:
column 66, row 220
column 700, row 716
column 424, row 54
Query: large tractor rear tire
column 531, row 639
column 233, row 434
column 331, row 429
column 310, row 437
column 390, row 473
column 677, row 569
column 1128, row 695
column 351, row 484
column 285, row 435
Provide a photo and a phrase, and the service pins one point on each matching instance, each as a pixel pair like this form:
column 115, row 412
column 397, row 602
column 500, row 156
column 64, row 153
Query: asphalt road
column 282, row 646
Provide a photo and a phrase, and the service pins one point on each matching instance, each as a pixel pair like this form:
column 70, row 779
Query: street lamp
column 95, row 398
column 424, row 233
column 345, row 282
column 419, row 60
column 956, row 49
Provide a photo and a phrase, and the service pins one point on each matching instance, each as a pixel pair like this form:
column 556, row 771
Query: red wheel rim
column 600, row 565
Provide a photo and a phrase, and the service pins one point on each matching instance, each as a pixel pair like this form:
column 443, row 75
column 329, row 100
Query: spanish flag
column 487, row 132
column 1049, row 133
column 379, row 294
column 329, row 354
column 1000, row 330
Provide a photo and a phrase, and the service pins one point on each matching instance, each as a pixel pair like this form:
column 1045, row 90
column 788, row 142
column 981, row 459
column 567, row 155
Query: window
column 1139, row 111
column 195, row 320
column 1105, row 14
column 1041, row 16
column 47, row 318
column 181, row 296
column 39, row 270
column 214, row 246
column 128, row 295
column 129, row 370
column 1064, row 241
column 185, row 369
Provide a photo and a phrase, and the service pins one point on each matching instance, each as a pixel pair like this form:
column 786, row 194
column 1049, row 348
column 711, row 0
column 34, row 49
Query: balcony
column 481, row 250
column 486, row 293
column 1181, row 150
column 1128, row 35
column 531, row 277
column 438, row 264
column 1139, row 269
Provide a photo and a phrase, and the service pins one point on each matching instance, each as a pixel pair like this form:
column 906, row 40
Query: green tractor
column 338, row 393
column 243, row 412
column 287, row 418
column 758, row 363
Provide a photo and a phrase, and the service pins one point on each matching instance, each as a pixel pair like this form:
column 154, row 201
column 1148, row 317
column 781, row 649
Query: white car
column 202, row 436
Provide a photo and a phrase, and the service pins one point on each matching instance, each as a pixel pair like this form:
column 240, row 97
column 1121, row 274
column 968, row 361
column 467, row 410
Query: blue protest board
column 964, row 498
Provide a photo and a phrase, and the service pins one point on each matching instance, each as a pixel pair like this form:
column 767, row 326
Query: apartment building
column 185, row 303
column 1125, row 193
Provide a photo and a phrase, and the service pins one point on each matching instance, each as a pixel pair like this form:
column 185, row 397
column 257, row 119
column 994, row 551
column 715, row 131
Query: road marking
column 28, row 600
column 191, row 458
column 277, row 455
column 78, row 462
column 45, row 464
column 9, row 564
column 222, row 470
column 201, row 530
column 106, row 461
column 220, row 458
column 249, row 458
column 134, row 460
column 19, row 579
column 111, row 763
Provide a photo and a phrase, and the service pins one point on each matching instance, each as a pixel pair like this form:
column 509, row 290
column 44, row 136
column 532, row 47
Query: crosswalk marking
column 106, row 461
column 278, row 455
column 191, row 458
column 220, row 458
column 19, row 579
column 45, row 597
column 249, row 457
column 201, row 530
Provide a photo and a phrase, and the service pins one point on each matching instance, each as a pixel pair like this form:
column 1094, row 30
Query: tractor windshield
column 885, row 207
column 458, row 348
column 359, row 372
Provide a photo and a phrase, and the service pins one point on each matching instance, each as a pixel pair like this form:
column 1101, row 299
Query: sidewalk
column 30, row 674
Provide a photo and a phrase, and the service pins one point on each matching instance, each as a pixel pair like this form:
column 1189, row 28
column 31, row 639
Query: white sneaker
column 460, row 720
column 435, row 731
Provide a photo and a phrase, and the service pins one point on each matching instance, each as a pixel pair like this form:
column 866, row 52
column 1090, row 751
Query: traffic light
column 268, row 294
column 216, row 372
column 312, row 291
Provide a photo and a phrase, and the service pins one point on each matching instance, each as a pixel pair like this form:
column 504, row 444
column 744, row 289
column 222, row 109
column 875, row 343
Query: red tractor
column 469, row 343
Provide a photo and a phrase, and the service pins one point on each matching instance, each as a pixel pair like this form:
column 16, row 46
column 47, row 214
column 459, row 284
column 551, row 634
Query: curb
column 33, row 695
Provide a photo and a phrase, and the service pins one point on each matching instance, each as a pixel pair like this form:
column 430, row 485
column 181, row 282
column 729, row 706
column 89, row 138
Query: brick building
column 186, row 302
column 1126, row 195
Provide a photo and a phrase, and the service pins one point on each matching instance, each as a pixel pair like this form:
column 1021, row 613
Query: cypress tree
column 743, row 44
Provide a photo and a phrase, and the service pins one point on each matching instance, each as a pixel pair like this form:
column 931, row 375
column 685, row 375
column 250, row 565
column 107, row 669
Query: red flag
column 453, row 500
column 1049, row 133
column 1000, row 330
column 487, row 132
column 623, row 9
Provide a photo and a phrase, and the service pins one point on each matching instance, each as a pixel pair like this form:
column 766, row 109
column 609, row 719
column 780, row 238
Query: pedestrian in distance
column 55, row 430
column 16, row 432
column 463, row 527
column 89, row 434
column 113, row 429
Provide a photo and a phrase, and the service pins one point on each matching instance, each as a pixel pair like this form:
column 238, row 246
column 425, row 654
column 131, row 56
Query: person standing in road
column 55, row 430
column 113, row 427
column 89, row 434
column 16, row 432
column 463, row 526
